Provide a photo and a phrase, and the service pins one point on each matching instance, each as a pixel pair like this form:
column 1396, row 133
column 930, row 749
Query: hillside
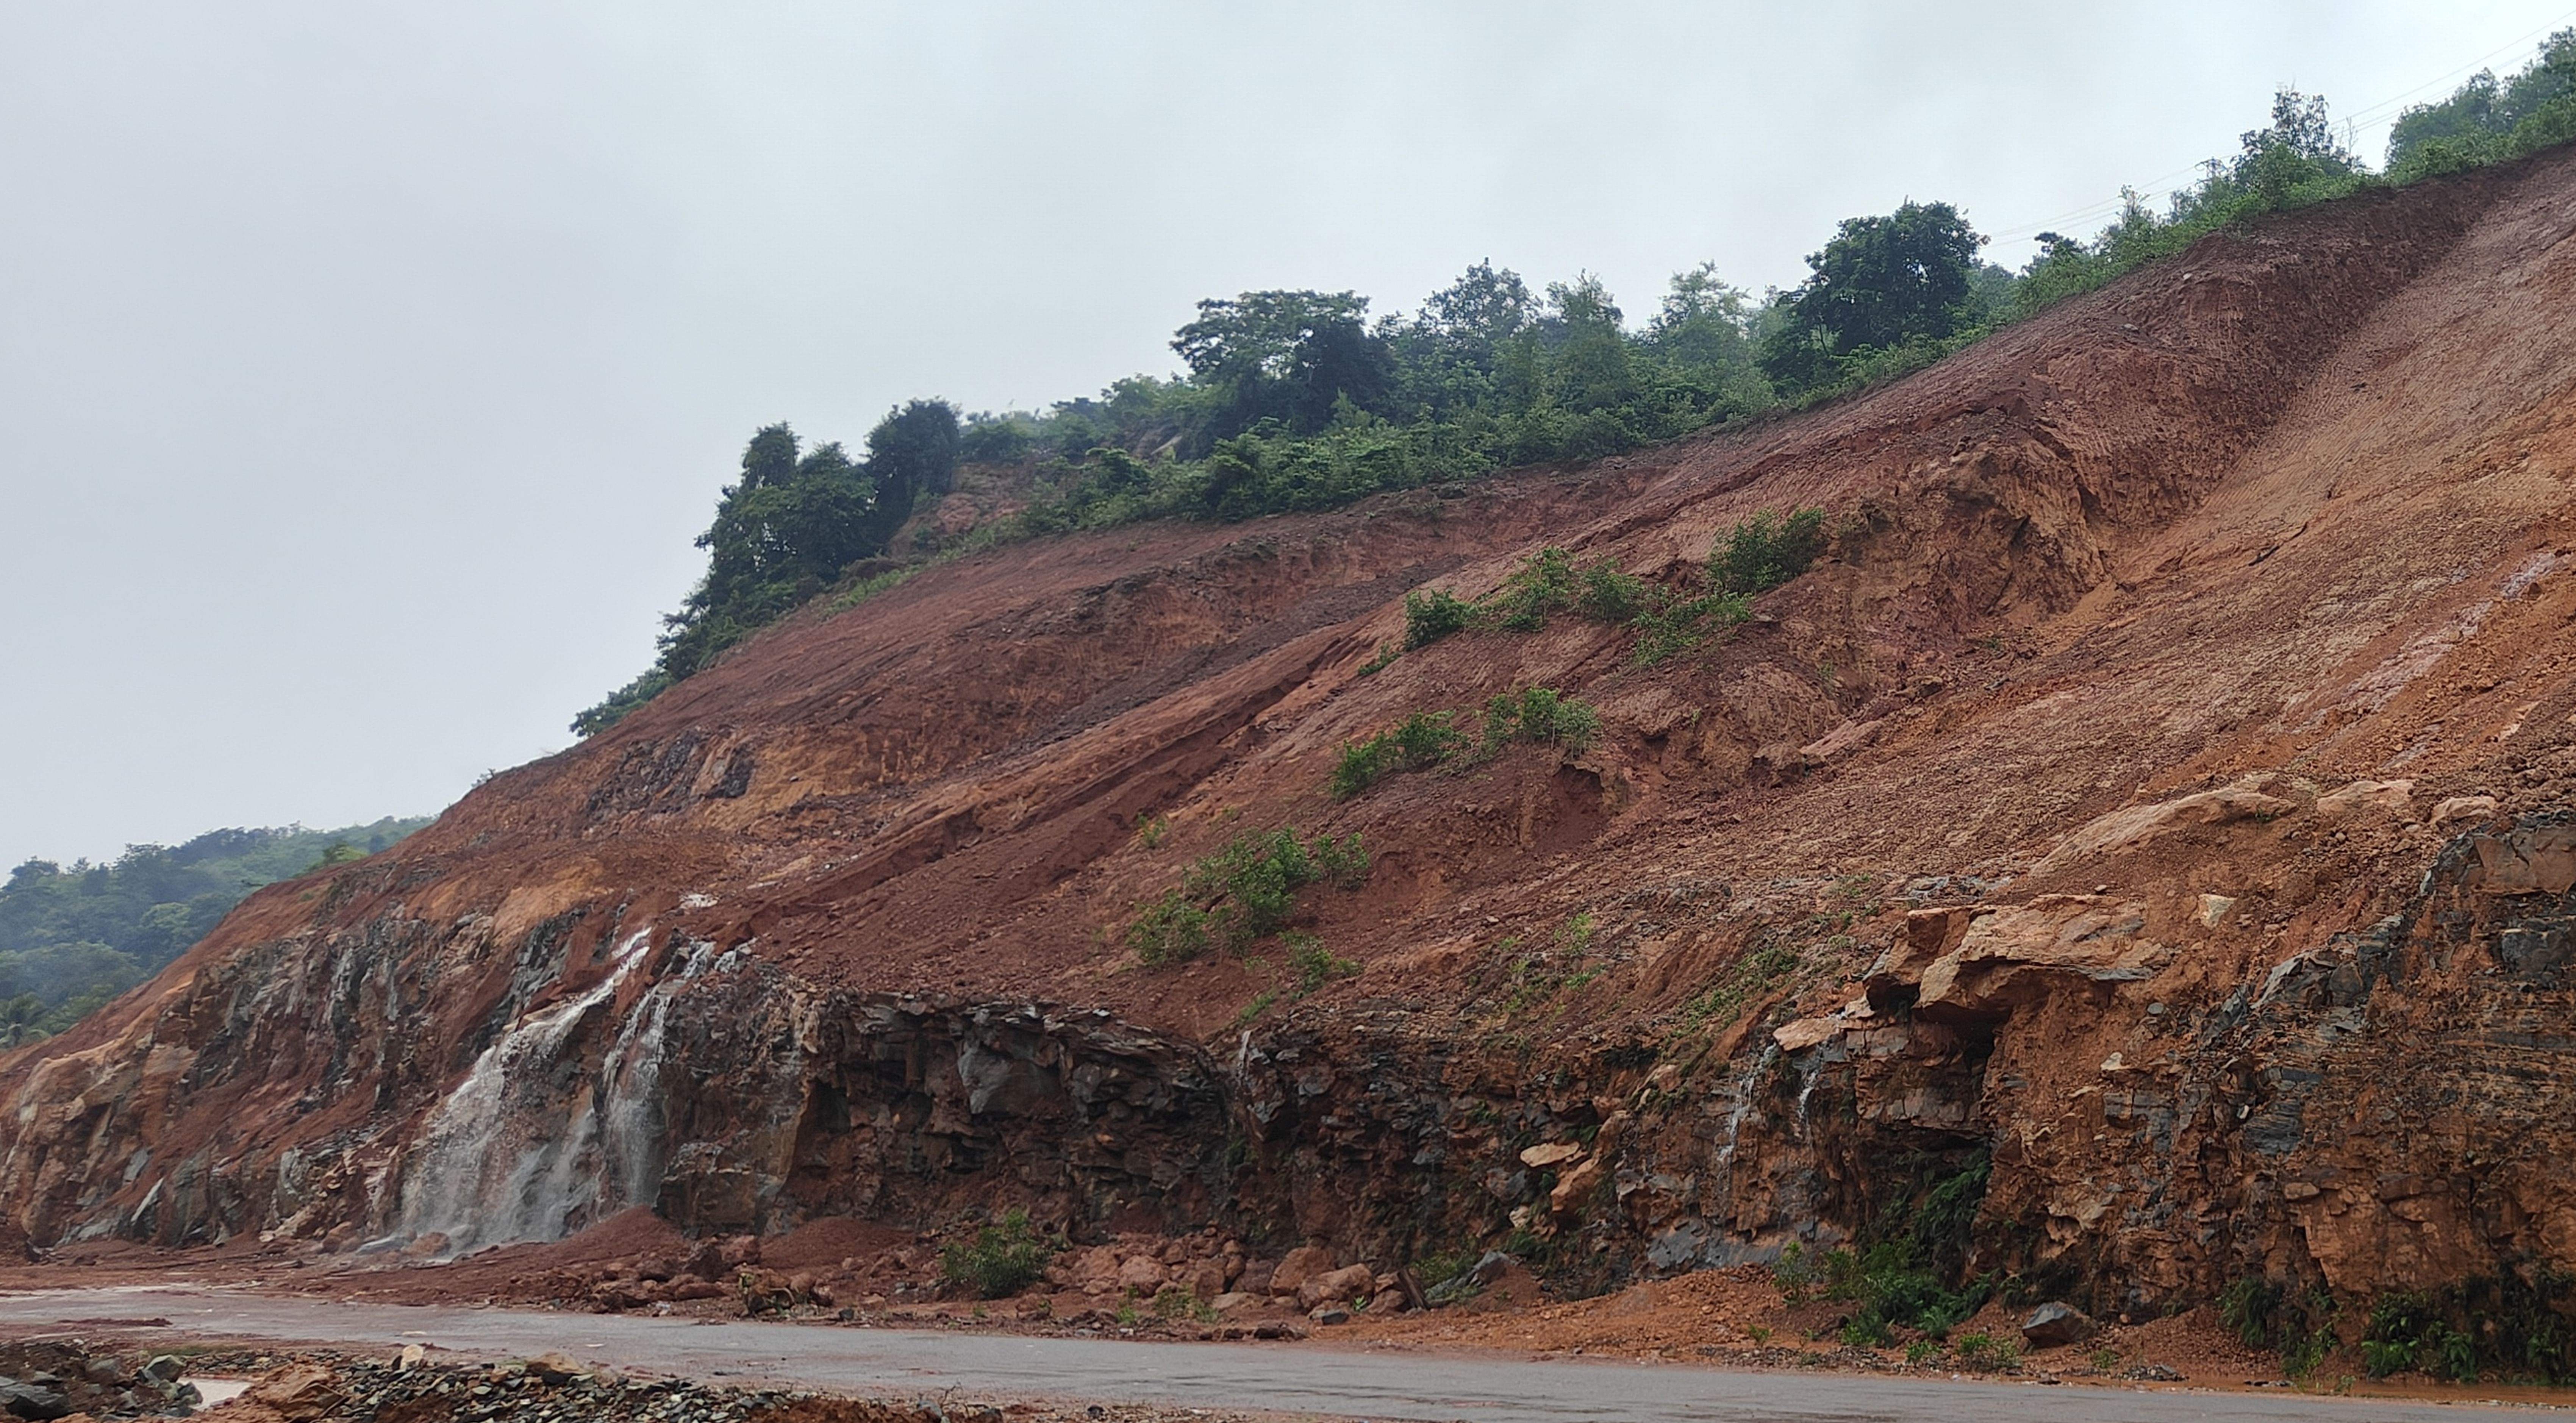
column 2148, row 811
column 73, row 937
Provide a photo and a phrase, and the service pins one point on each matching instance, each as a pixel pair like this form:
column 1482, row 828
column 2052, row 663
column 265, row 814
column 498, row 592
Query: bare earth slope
column 2106, row 806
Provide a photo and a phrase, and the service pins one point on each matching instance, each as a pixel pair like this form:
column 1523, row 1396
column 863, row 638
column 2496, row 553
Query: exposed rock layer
column 2154, row 795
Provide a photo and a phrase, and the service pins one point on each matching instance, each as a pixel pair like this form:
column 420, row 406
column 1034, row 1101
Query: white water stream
column 513, row 1153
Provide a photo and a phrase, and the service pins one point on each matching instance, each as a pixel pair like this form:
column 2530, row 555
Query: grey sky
column 365, row 371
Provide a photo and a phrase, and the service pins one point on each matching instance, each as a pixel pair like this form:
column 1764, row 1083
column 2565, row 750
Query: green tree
column 1289, row 356
column 2297, row 149
column 1880, row 283
column 912, row 454
column 2485, row 108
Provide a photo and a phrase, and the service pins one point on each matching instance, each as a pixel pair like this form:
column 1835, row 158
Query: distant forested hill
column 73, row 937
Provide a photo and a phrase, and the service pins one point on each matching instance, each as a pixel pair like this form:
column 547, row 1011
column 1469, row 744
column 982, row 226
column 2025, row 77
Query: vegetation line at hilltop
column 1297, row 400
column 73, row 937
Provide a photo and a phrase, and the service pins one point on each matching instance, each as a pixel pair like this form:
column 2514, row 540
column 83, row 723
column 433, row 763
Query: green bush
column 2264, row 1314
column 1539, row 714
column 1425, row 740
column 1432, row 615
column 1986, row 1354
column 1244, row 891
column 1766, row 551
column 1170, row 930
column 2507, row 1324
column 1001, row 1260
column 1667, row 627
column 1417, row 743
column 1609, row 596
column 1362, row 764
column 1545, row 583
column 1899, row 1276
column 1315, row 965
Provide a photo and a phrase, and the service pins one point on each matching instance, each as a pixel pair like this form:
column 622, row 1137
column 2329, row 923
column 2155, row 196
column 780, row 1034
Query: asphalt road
column 1305, row 1377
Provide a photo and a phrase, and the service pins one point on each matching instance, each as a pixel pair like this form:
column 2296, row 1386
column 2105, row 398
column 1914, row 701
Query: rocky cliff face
column 2152, row 802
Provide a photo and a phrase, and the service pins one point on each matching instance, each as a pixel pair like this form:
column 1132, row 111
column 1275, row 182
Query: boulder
column 2121, row 830
column 2462, row 808
column 2056, row 1323
column 1301, row 1262
column 1142, row 1273
column 2389, row 799
column 34, row 1400
column 297, row 1393
column 1574, row 1190
column 2016, row 956
column 1336, row 1286
column 765, row 1291
column 1550, row 1153
column 556, row 1367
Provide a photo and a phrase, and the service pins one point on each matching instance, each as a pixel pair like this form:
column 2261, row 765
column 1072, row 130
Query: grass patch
column 1754, row 973
column 1908, row 1270
column 2268, row 1314
column 1426, row 740
column 1986, row 1354
column 1315, row 964
column 1767, row 550
column 1432, row 614
column 1759, row 554
column 1538, row 976
column 1243, row 892
column 867, row 588
column 1418, row 743
column 1001, row 1260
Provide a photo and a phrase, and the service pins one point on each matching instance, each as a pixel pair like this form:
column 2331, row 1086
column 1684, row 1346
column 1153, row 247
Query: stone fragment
column 556, row 1367
column 411, row 1357
column 1805, row 1033
column 1230, row 1301
column 2056, row 1323
column 1550, row 1153
column 765, row 1291
column 1329, row 1314
column 1574, row 1190
column 33, row 1400
column 2532, row 859
column 166, row 1368
column 2462, row 808
column 1299, row 1263
column 2388, row 798
column 2124, row 829
column 2214, row 909
column 1843, row 740
column 297, row 1393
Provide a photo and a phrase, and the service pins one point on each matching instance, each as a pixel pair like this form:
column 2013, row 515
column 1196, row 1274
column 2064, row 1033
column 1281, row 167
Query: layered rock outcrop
column 2151, row 807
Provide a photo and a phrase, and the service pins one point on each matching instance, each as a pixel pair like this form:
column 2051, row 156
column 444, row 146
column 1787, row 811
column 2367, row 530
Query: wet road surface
column 1308, row 1377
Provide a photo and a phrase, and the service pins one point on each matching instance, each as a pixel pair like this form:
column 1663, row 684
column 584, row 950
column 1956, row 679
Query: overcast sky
column 365, row 370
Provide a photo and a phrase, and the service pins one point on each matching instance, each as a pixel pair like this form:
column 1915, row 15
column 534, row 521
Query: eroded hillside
column 2155, row 794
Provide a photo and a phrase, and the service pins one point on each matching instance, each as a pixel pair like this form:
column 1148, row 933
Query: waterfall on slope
column 513, row 1153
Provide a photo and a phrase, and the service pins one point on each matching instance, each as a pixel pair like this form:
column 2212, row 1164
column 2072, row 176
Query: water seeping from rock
column 507, row 1156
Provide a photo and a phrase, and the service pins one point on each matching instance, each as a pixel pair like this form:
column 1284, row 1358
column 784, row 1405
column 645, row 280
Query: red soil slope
column 2104, row 805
